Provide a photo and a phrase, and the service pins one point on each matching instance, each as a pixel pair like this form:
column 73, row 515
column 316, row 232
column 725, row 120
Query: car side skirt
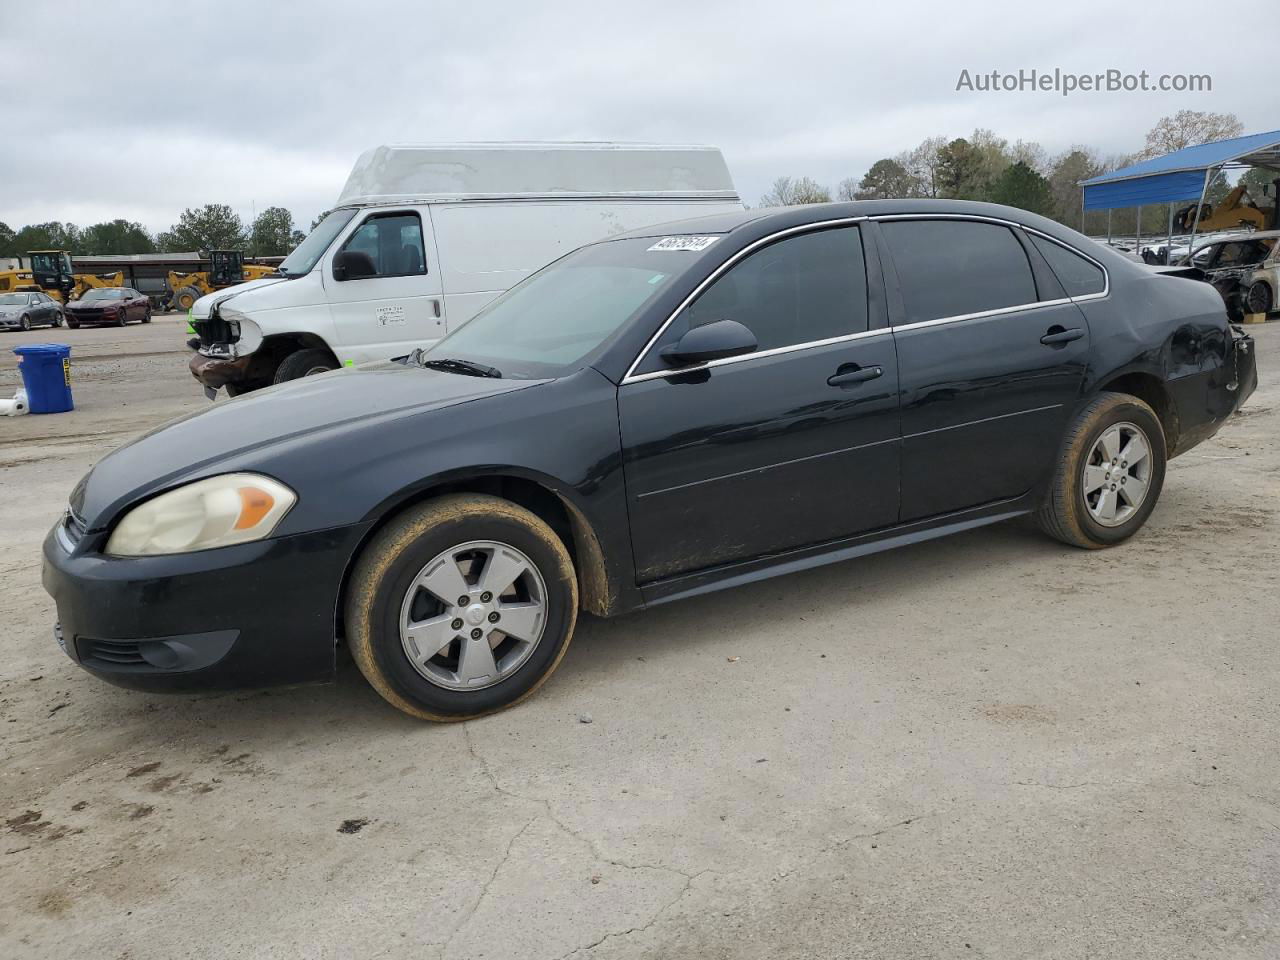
column 806, row 558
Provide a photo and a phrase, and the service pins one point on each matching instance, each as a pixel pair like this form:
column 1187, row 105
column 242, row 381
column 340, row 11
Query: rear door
column 399, row 307
column 992, row 357
column 792, row 445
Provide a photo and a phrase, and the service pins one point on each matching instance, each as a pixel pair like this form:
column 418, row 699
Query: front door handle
column 1060, row 336
column 854, row 374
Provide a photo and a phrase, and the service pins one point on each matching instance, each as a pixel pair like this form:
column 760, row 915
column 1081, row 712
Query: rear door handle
column 1057, row 336
column 854, row 374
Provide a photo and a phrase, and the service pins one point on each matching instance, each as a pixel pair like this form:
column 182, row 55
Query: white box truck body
column 422, row 237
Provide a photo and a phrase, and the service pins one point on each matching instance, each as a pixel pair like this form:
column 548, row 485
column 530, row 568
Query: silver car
column 1245, row 267
column 25, row 309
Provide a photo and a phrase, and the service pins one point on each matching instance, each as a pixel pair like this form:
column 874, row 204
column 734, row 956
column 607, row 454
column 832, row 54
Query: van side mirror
column 711, row 341
column 353, row 265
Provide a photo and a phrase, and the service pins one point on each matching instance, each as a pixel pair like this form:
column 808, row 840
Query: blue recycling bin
column 46, row 375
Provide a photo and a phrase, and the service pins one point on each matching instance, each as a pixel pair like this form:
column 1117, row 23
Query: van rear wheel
column 305, row 363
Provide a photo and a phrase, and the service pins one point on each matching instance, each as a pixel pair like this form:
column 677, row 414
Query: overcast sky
column 139, row 109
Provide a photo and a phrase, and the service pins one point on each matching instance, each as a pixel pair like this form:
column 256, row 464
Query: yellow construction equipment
column 226, row 268
column 51, row 272
column 1236, row 210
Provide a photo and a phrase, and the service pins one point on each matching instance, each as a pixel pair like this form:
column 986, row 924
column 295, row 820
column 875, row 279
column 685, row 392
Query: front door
column 399, row 306
column 991, row 366
column 792, row 445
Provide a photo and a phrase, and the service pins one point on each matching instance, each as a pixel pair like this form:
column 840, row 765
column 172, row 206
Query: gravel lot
column 986, row 746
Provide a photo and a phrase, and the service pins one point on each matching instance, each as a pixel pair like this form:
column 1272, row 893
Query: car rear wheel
column 305, row 363
column 1108, row 476
column 461, row 607
column 1259, row 299
column 58, row 318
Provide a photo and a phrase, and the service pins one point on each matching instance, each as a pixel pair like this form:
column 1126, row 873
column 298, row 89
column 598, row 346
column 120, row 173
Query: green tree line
column 215, row 226
column 984, row 166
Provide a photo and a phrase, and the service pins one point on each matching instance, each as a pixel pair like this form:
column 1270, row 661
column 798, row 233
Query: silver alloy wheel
column 1117, row 474
column 474, row 615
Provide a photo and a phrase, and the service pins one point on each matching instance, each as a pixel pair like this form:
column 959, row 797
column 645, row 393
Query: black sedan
column 672, row 411
column 113, row 305
column 26, row 309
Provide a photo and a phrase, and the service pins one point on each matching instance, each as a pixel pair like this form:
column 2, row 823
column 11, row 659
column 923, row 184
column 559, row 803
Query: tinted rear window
column 948, row 268
column 1077, row 275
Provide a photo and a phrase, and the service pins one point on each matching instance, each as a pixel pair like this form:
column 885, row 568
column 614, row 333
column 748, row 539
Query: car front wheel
column 461, row 607
column 1109, row 474
column 25, row 323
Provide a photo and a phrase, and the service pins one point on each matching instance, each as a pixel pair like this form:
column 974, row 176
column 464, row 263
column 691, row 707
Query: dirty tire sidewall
column 1064, row 513
column 391, row 562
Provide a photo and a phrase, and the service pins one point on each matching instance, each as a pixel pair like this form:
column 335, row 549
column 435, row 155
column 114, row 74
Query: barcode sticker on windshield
column 684, row 243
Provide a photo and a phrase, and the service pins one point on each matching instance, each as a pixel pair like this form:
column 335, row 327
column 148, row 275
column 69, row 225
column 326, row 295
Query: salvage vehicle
column 25, row 309
column 672, row 411
column 113, row 305
column 1244, row 268
column 422, row 237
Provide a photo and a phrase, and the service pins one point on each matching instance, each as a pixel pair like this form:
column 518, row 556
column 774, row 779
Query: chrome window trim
column 632, row 377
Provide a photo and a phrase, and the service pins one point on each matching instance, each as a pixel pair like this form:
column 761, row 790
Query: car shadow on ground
column 662, row 636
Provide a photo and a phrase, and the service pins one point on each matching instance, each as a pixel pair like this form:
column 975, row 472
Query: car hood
column 93, row 304
column 202, row 308
column 231, row 435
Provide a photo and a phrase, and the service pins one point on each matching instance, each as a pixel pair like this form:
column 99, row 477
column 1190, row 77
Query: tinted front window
column 799, row 290
column 111, row 293
column 948, row 268
column 393, row 242
column 1078, row 276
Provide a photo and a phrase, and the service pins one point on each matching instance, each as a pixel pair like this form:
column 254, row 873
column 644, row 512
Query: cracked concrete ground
column 987, row 746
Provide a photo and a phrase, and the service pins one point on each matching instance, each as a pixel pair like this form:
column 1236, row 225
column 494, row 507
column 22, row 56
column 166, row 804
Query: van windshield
column 306, row 254
column 554, row 321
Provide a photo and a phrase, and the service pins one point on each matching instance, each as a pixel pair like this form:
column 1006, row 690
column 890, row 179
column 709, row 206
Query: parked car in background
column 422, row 237
column 26, row 309
column 668, row 412
column 113, row 305
column 1244, row 268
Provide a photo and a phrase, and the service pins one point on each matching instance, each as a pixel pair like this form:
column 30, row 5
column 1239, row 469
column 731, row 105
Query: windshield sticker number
column 684, row 243
column 391, row 314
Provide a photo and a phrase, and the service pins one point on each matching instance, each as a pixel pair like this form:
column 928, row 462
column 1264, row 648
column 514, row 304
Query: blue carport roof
column 1178, row 175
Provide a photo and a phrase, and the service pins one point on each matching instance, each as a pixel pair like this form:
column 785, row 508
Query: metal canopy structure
column 1182, row 175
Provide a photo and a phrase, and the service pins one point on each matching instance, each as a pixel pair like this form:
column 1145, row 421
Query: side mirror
column 711, row 341
column 353, row 265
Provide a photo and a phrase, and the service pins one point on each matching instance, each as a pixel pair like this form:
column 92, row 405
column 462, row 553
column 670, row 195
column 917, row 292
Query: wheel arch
column 597, row 591
column 1152, row 390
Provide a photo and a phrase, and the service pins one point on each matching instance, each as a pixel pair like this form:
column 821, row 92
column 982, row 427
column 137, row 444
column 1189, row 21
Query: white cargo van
column 422, row 237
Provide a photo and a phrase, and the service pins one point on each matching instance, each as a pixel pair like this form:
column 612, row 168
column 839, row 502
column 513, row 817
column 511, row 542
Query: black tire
column 1065, row 513
column 184, row 298
column 387, row 569
column 305, row 363
column 25, row 323
column 1259, row 298
column 59, row 318
column 73, row 324
column 122, row 317
column 146, row 317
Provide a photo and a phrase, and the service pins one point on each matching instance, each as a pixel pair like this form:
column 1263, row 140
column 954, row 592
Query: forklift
column 226, row 268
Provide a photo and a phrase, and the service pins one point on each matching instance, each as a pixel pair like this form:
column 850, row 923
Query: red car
column 115, row 305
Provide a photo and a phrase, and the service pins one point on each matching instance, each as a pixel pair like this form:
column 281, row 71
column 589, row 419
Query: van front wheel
column 305, row 363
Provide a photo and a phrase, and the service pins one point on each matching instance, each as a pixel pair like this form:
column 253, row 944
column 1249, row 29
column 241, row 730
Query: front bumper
column 252, row 615
column 215, row 372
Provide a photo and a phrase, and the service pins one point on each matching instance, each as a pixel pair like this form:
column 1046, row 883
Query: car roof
column 767, row 218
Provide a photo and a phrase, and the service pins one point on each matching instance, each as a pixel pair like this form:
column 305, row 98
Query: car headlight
column 217, row 512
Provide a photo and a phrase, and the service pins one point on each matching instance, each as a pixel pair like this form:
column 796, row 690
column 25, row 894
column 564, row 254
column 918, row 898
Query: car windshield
column 111, row 293
column 13, row 299
column 308, row 252
column 557, row 320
